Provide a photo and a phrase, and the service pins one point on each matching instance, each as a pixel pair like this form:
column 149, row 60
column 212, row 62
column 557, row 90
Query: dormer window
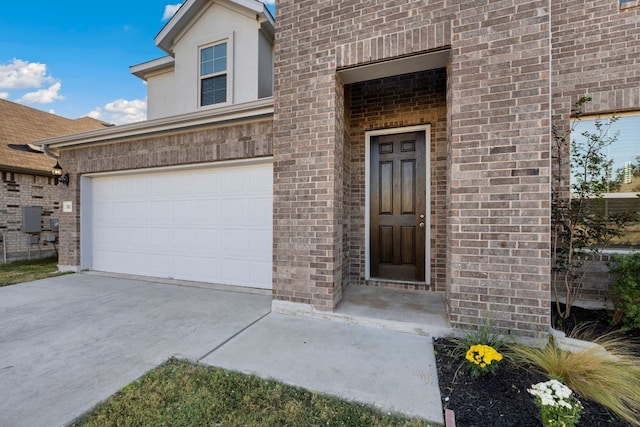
column 213, row 74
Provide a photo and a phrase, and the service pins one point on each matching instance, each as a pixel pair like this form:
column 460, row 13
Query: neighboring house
column 406, row 145
column 26, row 177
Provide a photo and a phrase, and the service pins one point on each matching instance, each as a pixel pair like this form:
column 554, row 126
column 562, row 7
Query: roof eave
column 190, row 8
column 142, row 70
column 239, row 112
column 26, row 171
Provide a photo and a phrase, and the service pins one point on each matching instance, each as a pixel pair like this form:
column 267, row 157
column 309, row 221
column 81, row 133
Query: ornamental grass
column 610, row 378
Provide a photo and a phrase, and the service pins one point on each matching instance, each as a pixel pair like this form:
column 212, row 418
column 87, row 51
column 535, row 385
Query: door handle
column 421, row 225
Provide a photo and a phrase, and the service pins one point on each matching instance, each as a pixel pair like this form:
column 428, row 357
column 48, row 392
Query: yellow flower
column 482, row 355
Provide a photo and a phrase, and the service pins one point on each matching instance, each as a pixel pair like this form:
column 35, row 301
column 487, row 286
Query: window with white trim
column 627, row 4
column 213, row 74
column 620, row 175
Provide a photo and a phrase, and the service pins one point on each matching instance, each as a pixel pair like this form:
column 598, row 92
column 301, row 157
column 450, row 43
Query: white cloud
column 4, row 95
column 20, row 74
column 121, row 111
column 43, row 96
column 170, row 10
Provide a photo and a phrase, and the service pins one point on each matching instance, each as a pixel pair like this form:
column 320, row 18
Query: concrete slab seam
column 233, row 336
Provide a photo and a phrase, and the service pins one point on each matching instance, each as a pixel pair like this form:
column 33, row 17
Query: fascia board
column 142, row 70
column 232, row 113
column 164, row 39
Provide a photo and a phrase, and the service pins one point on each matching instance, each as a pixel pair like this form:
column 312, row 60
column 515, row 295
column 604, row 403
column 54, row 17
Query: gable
column 191, row 10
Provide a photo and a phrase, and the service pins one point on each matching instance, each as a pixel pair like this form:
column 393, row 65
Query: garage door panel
column 257, row 207
column 258, row 270
column 138, row 186
column 102, row 212
column 258, row 182
column 206, row 268
column 236, row 270
column 183, row 267
column 160, row 238
column 120, row 213
column 234, row 241
column 160, row 186
column 234, row 181
column 233, row 211
column 159, row 265
column 260, row 239
column 139, row 212
column 206, row 212
column 182, row 240
column 160, row 212
column 138, row 238
column 205, row 237
column 203, row 185
column 182, row 212
column 209, row 224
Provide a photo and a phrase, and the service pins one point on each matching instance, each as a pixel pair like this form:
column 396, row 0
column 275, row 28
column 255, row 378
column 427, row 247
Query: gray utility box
column 32, row 219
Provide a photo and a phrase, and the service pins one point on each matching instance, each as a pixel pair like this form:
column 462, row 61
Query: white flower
column 552, row 393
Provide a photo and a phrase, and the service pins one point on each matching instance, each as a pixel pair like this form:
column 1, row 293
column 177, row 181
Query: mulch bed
column 502, row 399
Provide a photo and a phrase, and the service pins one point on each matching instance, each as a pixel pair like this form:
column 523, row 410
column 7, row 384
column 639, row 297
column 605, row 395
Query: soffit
column 395, row 67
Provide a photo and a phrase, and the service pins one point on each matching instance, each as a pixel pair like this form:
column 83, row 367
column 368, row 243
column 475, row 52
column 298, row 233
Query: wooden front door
column 398, row 206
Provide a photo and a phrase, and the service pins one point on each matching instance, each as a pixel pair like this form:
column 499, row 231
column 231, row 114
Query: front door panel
column 398, row 206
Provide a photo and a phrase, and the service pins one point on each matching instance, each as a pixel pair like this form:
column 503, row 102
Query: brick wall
column 16, row 191
column 310, row 122
column 392, row 102
column 498, row 153
column 595, row 53
column 199, row 146
column 499, row 170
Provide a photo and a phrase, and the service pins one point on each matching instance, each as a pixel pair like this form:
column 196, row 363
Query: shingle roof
column 21, row 125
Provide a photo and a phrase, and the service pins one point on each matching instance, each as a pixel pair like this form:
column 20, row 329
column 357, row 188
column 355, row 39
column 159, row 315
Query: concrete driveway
column 71, row 341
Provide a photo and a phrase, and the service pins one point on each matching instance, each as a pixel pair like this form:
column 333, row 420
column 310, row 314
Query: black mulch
column 502, row 400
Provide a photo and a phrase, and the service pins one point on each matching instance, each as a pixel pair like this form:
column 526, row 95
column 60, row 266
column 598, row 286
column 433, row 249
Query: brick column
column 499, row 182
column 308, row 152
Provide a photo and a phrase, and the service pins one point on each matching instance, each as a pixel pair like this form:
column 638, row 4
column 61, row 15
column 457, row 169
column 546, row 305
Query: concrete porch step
column 408, row 311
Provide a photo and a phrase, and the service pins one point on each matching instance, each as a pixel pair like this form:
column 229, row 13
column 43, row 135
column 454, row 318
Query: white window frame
column 228, row 39
column 627, row 4
column 604, row 117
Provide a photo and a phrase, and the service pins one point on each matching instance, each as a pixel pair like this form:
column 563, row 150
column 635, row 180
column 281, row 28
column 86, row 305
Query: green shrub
column 626, row 290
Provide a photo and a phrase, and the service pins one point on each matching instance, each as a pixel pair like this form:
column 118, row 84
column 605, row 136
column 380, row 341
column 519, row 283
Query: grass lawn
column 178, row 393
column 26, row 271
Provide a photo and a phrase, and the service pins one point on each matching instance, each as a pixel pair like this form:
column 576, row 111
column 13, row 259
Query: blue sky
column 72, row 58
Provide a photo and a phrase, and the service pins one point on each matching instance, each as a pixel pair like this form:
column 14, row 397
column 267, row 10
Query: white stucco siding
column 214, row 24
column 161, row 95
column 265, row 66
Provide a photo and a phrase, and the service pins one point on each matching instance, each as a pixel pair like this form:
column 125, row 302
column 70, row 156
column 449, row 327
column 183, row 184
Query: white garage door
column 210, row 225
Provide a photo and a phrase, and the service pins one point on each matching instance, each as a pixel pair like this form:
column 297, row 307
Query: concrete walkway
column 68, row 342
column 391, row 370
